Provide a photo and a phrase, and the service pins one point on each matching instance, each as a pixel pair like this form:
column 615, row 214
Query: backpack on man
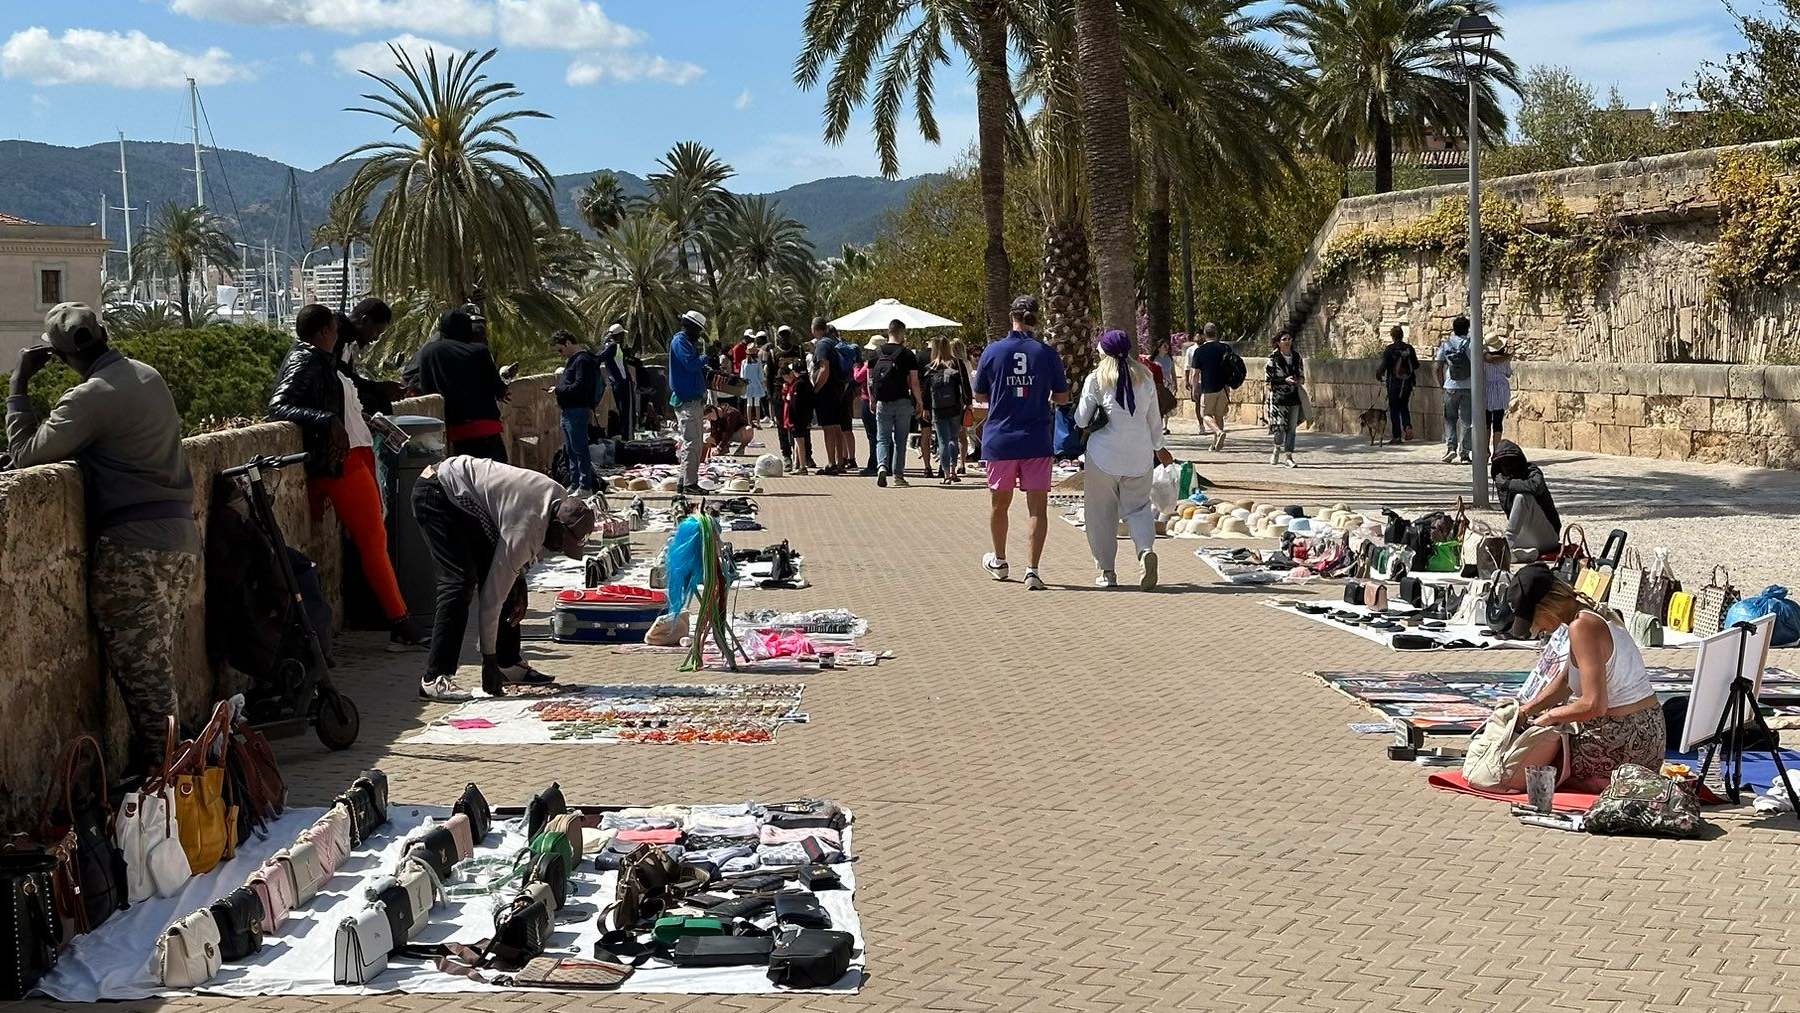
column 1457, row 359
column 1235, row 372
column 886, row 381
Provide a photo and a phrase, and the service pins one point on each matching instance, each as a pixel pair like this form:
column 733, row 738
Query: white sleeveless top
column 1626, row 680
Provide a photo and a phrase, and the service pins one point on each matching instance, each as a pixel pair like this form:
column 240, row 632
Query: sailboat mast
column 108, row 255
column 125, row 200
column 194, row 120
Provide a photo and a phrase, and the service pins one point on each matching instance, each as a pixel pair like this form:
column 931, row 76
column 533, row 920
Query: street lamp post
column 1473, row 38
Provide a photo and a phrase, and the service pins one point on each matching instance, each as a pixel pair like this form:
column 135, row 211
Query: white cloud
column 1646, row 50
column 631, row 67
column 453, row 17
column 743, row 101
column 572, row 25
column 376, row 58
column 128, row 60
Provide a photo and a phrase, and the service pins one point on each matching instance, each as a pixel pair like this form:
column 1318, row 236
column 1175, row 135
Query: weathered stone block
column 1781, row 383
column 1528, row 432
column 1557, row 435
column 1696, row 413
column 1781, row 452
column 1584, row 436
column 1615, row 440
column 1746, row 382
column 1628, row 409
column 1663, row 410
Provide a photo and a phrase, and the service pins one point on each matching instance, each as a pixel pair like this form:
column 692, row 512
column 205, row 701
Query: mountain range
column 55, row 185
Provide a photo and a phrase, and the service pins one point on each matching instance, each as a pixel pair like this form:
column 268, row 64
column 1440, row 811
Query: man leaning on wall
column 120, row 426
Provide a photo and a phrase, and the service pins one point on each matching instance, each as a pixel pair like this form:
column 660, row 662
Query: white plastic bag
column 1163, row 483
column 768, row 466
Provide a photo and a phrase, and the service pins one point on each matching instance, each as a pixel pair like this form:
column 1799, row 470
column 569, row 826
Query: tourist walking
column 623, row 417
column 458, row 367
column 687, row 394
column 755, row 372
column 832, row 394
column 1162, row 361
column 1453, row 370
column 865, row 405
column 894, row 386
column 1021, row 377
column 949, row 395
column 1590, row 682
column 578, row 391
column 1209, row 377
column 485, row 523
column 1119, row 397
column 971, row 450
column 797, row 414
column 1496, row 374
column 120, row 426
column 1398, row 372
column 1285, row 405
column 313, row 394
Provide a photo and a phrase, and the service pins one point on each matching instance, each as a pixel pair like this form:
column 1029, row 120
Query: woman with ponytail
column 1119, row 411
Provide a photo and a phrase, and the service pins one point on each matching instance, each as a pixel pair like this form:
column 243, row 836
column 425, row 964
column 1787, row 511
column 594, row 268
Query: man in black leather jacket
column 312, row 393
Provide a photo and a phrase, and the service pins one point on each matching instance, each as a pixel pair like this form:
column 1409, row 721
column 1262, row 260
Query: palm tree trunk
column 187, row 316
column 344, row 289
column 1068, row 283
column 1106, row 147
column 1187, row 269
column 993, row 103
column 1384, row 154
column 1157, row 283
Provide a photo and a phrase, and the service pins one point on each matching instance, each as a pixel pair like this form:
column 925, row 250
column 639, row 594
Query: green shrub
column 216, row 374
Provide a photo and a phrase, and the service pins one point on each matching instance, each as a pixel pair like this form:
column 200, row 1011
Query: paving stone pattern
column 1108, row 800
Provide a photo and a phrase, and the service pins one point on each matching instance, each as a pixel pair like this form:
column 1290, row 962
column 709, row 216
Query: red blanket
column 1564, row 802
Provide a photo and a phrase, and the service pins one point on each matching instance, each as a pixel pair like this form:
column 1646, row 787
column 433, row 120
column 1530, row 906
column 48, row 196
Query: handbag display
column 377, row 784
column 1575, row 552
column 552, row 870
column 360, row 804
column 1446, row 557
column 801, row 908
column 811, row 958
column 330, row 836
column 144, row 832
column 205, row 818
column 721, row 951
column 391, row 897
column 253, row 763
column 1681, row 612
column 93, row 864
column 522, row 927
column 436, row 848
column 306, row 870
column 474, row 805
column 1500, row 752
column 542, row 806
column 1713, row 601
column 569, row 824
column 460, row 832
column 273, row 885
column 362, row 948
column 27, row 880
column 574, row 974
column 188, row 953
column 555, row 842
column 1646, row 630
column 1628, row 584
column 239, row 916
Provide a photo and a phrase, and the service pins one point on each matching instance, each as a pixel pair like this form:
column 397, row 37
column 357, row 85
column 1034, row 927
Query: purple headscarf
column 1117, row 345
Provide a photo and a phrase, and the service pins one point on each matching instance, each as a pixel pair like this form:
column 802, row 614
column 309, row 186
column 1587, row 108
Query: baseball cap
column 73, row 325
column 577, row 521
column 1530, row 585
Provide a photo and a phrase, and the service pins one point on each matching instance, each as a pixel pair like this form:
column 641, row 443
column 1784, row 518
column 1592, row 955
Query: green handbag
column 555, row 841
column 1446, row 557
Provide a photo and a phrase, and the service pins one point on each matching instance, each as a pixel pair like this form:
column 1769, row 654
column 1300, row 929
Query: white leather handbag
column 308, row 872
column 187, row 954
column 363, row 944
column 150, row 839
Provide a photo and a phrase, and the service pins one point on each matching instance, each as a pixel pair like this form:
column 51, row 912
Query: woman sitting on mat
column 1591, row 675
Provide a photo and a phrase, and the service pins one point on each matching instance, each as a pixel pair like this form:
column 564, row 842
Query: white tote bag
column 149, row 836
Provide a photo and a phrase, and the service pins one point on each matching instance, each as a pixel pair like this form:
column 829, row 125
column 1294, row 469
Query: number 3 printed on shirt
column 1020, row 361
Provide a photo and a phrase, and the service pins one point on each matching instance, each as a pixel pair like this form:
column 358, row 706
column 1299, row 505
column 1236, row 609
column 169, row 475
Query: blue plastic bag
column 1070, row 441
column 1772, row 600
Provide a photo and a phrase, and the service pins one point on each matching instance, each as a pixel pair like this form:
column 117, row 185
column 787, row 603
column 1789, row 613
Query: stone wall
column 1656, row 305
column 53, row 688
column 1746, row 415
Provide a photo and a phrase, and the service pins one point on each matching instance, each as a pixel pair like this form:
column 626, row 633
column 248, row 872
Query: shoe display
column 996, row 568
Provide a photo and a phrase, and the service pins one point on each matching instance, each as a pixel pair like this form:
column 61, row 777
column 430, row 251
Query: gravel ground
column 1746, row 519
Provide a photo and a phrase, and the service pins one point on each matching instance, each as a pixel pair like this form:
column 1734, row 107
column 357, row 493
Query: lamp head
column 1473, row 38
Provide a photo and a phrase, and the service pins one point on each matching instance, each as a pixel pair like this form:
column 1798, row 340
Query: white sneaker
column 1033, row 582
column 1218, row 442
column 996, row 568
column 1291, row 462
column 1148, row 562
column 1106, row 579
column 1449, row 457
column 443, row 689
column 1274, row 457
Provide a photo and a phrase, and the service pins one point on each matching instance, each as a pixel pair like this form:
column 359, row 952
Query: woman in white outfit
column 1120, row 457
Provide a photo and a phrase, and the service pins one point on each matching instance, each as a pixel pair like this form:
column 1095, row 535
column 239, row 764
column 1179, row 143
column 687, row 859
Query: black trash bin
column 406, row 544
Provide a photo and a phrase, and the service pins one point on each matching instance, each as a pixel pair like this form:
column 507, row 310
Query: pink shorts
column 1031, row 474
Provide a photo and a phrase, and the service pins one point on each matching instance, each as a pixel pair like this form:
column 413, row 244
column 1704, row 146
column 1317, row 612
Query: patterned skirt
column 1606, row 743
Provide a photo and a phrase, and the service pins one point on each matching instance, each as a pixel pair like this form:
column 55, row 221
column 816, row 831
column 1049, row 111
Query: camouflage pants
column 138, row 597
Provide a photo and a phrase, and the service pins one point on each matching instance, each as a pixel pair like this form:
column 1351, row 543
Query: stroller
column 262, row 626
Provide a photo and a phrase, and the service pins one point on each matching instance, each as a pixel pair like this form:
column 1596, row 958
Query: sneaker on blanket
column 523, row 674
column 443, row 689
column 996, row 568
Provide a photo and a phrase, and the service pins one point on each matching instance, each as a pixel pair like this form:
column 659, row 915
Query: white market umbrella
column 876, row 315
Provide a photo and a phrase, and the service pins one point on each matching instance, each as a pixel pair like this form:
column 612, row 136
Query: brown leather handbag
column 265, row 791
column 90, row 870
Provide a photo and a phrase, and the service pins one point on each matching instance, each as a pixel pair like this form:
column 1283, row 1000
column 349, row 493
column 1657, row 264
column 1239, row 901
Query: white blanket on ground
column 115, row 961
column 506, row 721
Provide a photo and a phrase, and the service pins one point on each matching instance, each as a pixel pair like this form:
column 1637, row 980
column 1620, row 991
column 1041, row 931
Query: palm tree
column 689, row 192
column 640, row 283
column 178, row 241
column 346, row 224
column 601, row 202
column 1381, row 67
column 766, row 241
column 129, row 320
column 907, row 38
column 464, row 200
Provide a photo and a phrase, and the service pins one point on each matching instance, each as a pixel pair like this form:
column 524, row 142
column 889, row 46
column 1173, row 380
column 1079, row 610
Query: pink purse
column 459, row 828
column 331, row 836
column 273, row 884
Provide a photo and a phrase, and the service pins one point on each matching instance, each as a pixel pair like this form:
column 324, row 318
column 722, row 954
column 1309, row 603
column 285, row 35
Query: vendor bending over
column 726, row 425
column 1590, row 680
column 1533, row 527
column 486, row 522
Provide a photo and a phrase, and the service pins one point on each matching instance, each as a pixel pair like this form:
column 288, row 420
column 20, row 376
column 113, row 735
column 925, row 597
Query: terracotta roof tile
column 6, row 219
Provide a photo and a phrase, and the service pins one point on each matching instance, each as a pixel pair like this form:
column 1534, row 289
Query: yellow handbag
column 207, row 823
column 1595, row 582
column 1681, row 612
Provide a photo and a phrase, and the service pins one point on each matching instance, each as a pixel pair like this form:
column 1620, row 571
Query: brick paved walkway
column 1105, row 800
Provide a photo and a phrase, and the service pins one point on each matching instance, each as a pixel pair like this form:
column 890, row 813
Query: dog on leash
column 1375, row 423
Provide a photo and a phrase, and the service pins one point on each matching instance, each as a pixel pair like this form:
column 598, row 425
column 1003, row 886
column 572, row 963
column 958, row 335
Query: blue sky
column 624, row 79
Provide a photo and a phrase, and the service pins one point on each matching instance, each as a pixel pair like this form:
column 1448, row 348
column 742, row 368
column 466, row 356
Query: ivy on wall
column 1560, row 252
column 1759, row 202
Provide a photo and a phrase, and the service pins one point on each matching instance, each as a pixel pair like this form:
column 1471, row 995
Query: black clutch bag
column 722, row 951
column 802, row 909
column 811, row 958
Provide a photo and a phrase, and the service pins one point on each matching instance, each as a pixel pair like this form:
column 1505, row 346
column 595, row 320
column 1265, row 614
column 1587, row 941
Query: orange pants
column 358, row 503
